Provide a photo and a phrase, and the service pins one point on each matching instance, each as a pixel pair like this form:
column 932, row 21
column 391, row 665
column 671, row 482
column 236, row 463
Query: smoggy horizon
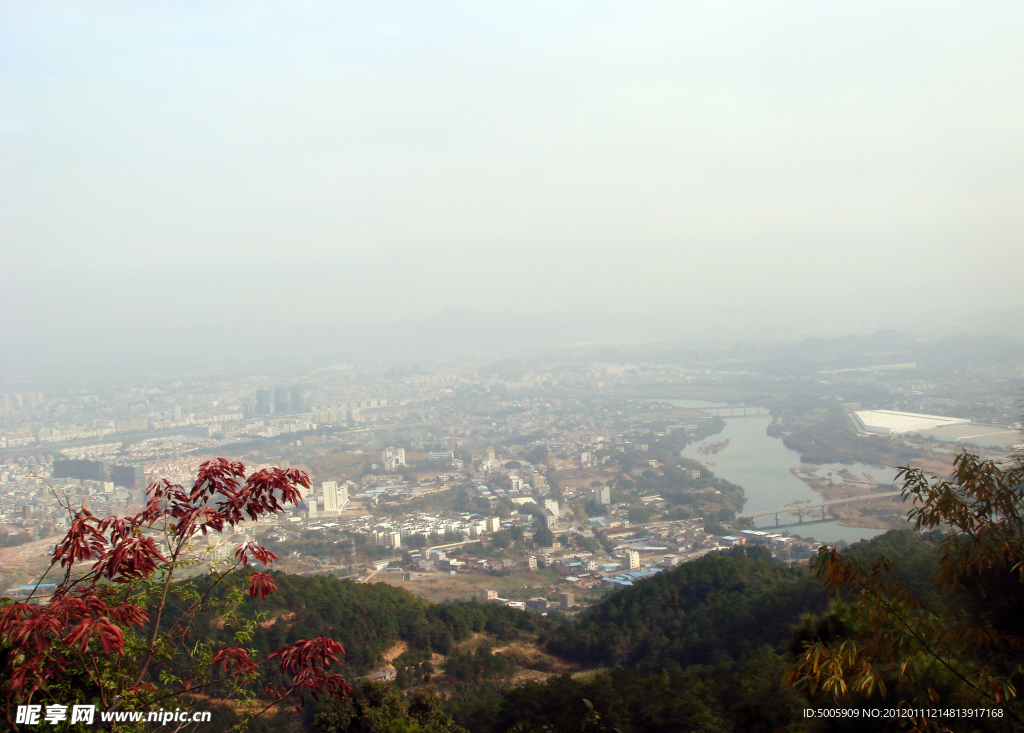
column 181, row 176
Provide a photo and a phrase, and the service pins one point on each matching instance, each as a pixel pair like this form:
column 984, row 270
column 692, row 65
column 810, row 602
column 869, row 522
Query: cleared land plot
column 336, row 466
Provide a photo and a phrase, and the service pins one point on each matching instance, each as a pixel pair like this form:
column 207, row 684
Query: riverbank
column 883, row 514
column 761, row 465
column 773, row 476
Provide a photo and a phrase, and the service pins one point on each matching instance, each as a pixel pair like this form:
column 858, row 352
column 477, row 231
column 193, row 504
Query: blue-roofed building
column 22, row 592
column 642, row 574
column 618, row 581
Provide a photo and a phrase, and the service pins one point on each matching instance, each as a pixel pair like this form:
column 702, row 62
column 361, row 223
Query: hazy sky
column 180, row 165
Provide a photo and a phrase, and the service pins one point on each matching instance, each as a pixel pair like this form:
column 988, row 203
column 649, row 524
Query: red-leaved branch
column 117, row 574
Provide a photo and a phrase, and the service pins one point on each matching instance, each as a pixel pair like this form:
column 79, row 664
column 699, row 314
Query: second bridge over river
column 736, row 411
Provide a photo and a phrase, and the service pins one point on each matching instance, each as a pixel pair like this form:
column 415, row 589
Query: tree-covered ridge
column 368, row 619
column 377, row 706
column 724, row 603
column 914, row 558
column 729, row 611
column 746, row 695
column 698, row 648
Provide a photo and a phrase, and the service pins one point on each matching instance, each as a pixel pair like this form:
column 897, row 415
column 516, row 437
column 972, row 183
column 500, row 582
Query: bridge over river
column 801, row 509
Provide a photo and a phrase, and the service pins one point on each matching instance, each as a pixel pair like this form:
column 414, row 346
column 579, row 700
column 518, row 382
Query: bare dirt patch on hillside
column 534, row 664
column 535, row 661
column 395, row 652
column 281, row 619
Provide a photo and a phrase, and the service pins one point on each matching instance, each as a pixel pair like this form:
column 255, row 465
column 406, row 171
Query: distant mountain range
column 457, row 334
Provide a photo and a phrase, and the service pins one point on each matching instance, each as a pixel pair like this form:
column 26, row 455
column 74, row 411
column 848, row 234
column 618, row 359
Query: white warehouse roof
column 893, row 423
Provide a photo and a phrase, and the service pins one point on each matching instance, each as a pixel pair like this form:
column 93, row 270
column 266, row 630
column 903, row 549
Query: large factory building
column 890, row 422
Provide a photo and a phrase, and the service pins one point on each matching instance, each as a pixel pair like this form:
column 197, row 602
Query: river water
column 761, row 465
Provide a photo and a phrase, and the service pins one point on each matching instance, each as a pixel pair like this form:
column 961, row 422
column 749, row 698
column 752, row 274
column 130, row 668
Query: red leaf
column 229, row 656
column 262, row 585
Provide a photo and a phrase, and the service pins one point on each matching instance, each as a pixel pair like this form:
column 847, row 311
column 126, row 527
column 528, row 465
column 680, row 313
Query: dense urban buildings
column 558, row 466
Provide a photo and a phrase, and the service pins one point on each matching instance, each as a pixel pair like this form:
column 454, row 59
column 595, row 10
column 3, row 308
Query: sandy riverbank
column 842, row 484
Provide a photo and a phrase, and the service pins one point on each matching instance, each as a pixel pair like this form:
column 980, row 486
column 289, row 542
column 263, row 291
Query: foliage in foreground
column 119, row 632
column 377, row 707
column 958, row 646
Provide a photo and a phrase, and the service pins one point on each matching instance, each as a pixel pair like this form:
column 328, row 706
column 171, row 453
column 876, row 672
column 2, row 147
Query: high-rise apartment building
column 264, row 405
column 388, row 539
column 392, row 458
column 297, row 405
column 82, row 470
column 282, row 401
column 131, row 477
column 329, row 489
column 333, row 497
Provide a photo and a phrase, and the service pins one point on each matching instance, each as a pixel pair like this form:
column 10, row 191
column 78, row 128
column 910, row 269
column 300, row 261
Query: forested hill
column 724, row 603
column 698, row 648
column 369, row 619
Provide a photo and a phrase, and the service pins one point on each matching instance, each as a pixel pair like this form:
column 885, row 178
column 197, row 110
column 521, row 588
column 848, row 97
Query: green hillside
column 727, row 603
column 698, row 648
column 368, row 619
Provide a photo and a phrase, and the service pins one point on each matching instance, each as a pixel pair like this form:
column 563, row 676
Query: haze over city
column 448, row 367
column 174, row 175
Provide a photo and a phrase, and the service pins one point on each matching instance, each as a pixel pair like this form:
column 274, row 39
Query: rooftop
column 894, row 423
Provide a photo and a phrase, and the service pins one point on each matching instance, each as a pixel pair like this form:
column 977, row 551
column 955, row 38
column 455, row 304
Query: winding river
column 761, row 465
